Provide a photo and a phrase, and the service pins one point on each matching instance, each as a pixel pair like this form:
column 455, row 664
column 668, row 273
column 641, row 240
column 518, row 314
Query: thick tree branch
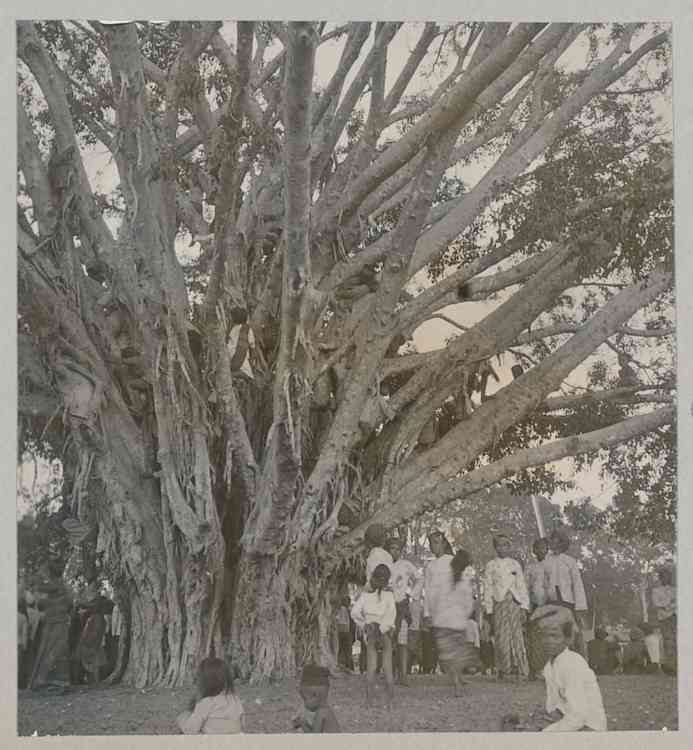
column 446, row 491
column 453, row 452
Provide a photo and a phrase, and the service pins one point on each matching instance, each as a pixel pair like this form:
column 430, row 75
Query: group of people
column 516, row 624
column 63, row 641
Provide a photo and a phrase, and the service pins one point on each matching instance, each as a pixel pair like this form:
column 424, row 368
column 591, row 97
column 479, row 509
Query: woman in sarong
column 51, row 665
column 506, row 603
column 90, row 650
column 537, row 588
column 450, row 604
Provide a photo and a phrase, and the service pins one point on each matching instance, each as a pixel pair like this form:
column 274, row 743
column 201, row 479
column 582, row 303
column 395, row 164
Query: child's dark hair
column 214, row 677
column 537, row 542
column 459, row 563
column 382, row 574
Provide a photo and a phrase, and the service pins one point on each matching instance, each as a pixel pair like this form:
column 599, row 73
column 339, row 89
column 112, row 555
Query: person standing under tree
column 405, row 580
column 564, row 582
column 538, row 595
column 22, row 643
column 344, row 634
column 664, row 602
column 506, row 603
column 450, row 604
column 375, row 538
column 51, row 667
column 440, row 547
column 374, row 612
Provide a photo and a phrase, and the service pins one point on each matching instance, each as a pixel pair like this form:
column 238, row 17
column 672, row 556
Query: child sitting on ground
column 635, row 658
column 317, row 716
column 374, row 612
column 572, row 691
column 215, row 709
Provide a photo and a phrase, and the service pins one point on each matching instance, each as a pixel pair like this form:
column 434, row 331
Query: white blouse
column 375, row 607
column 448, row 604
column 503, row 574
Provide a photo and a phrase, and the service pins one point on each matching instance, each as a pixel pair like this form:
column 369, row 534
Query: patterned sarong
column 508, row 637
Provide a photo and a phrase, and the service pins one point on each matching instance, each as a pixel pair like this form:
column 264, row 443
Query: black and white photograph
column 346, row 376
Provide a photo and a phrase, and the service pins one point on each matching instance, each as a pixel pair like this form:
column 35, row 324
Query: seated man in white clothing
column 573, row 697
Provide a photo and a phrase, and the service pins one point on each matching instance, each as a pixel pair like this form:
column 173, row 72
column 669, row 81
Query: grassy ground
column 428, row 705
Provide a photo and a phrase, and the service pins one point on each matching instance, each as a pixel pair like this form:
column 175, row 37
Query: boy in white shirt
column 572, row 690
column 405, row 579
column 374, row 612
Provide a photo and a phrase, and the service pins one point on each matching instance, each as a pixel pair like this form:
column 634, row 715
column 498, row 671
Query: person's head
column 636, row 634
column 540, row 548
column 346, row 601
column 394, row 547
column 502, row 545
column 646, row 628
column 438, row 543
column 315, row 686
column 380, row 577
column 214, row 677
column 375, row 535
column 52, row 570
column 558, row 541
column 459, row 562
column 600, row 633
column 665, row 576
column 558, row 638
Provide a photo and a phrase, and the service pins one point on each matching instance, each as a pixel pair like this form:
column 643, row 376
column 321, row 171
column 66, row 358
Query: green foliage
column 40, row 536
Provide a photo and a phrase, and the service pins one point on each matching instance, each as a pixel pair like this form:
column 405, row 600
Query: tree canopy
column 219, row 345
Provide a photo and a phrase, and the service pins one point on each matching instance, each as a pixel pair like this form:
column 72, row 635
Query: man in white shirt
column 572, row 690
column 404, row 582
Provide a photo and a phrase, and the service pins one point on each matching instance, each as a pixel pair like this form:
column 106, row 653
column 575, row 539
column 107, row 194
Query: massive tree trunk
column 239, row 412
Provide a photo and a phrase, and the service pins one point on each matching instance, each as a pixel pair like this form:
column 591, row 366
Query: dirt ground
column 428, row 705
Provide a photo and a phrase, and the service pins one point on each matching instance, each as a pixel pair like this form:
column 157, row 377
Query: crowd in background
column 449, row 617
column 63, row 640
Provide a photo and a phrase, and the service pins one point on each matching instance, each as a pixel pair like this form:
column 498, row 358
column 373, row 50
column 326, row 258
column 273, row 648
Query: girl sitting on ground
column 374, row 613
column 215, row 709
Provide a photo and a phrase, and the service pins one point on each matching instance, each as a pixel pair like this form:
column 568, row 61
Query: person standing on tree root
column 374, row 612
column 506, row 603
column 405, row 580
